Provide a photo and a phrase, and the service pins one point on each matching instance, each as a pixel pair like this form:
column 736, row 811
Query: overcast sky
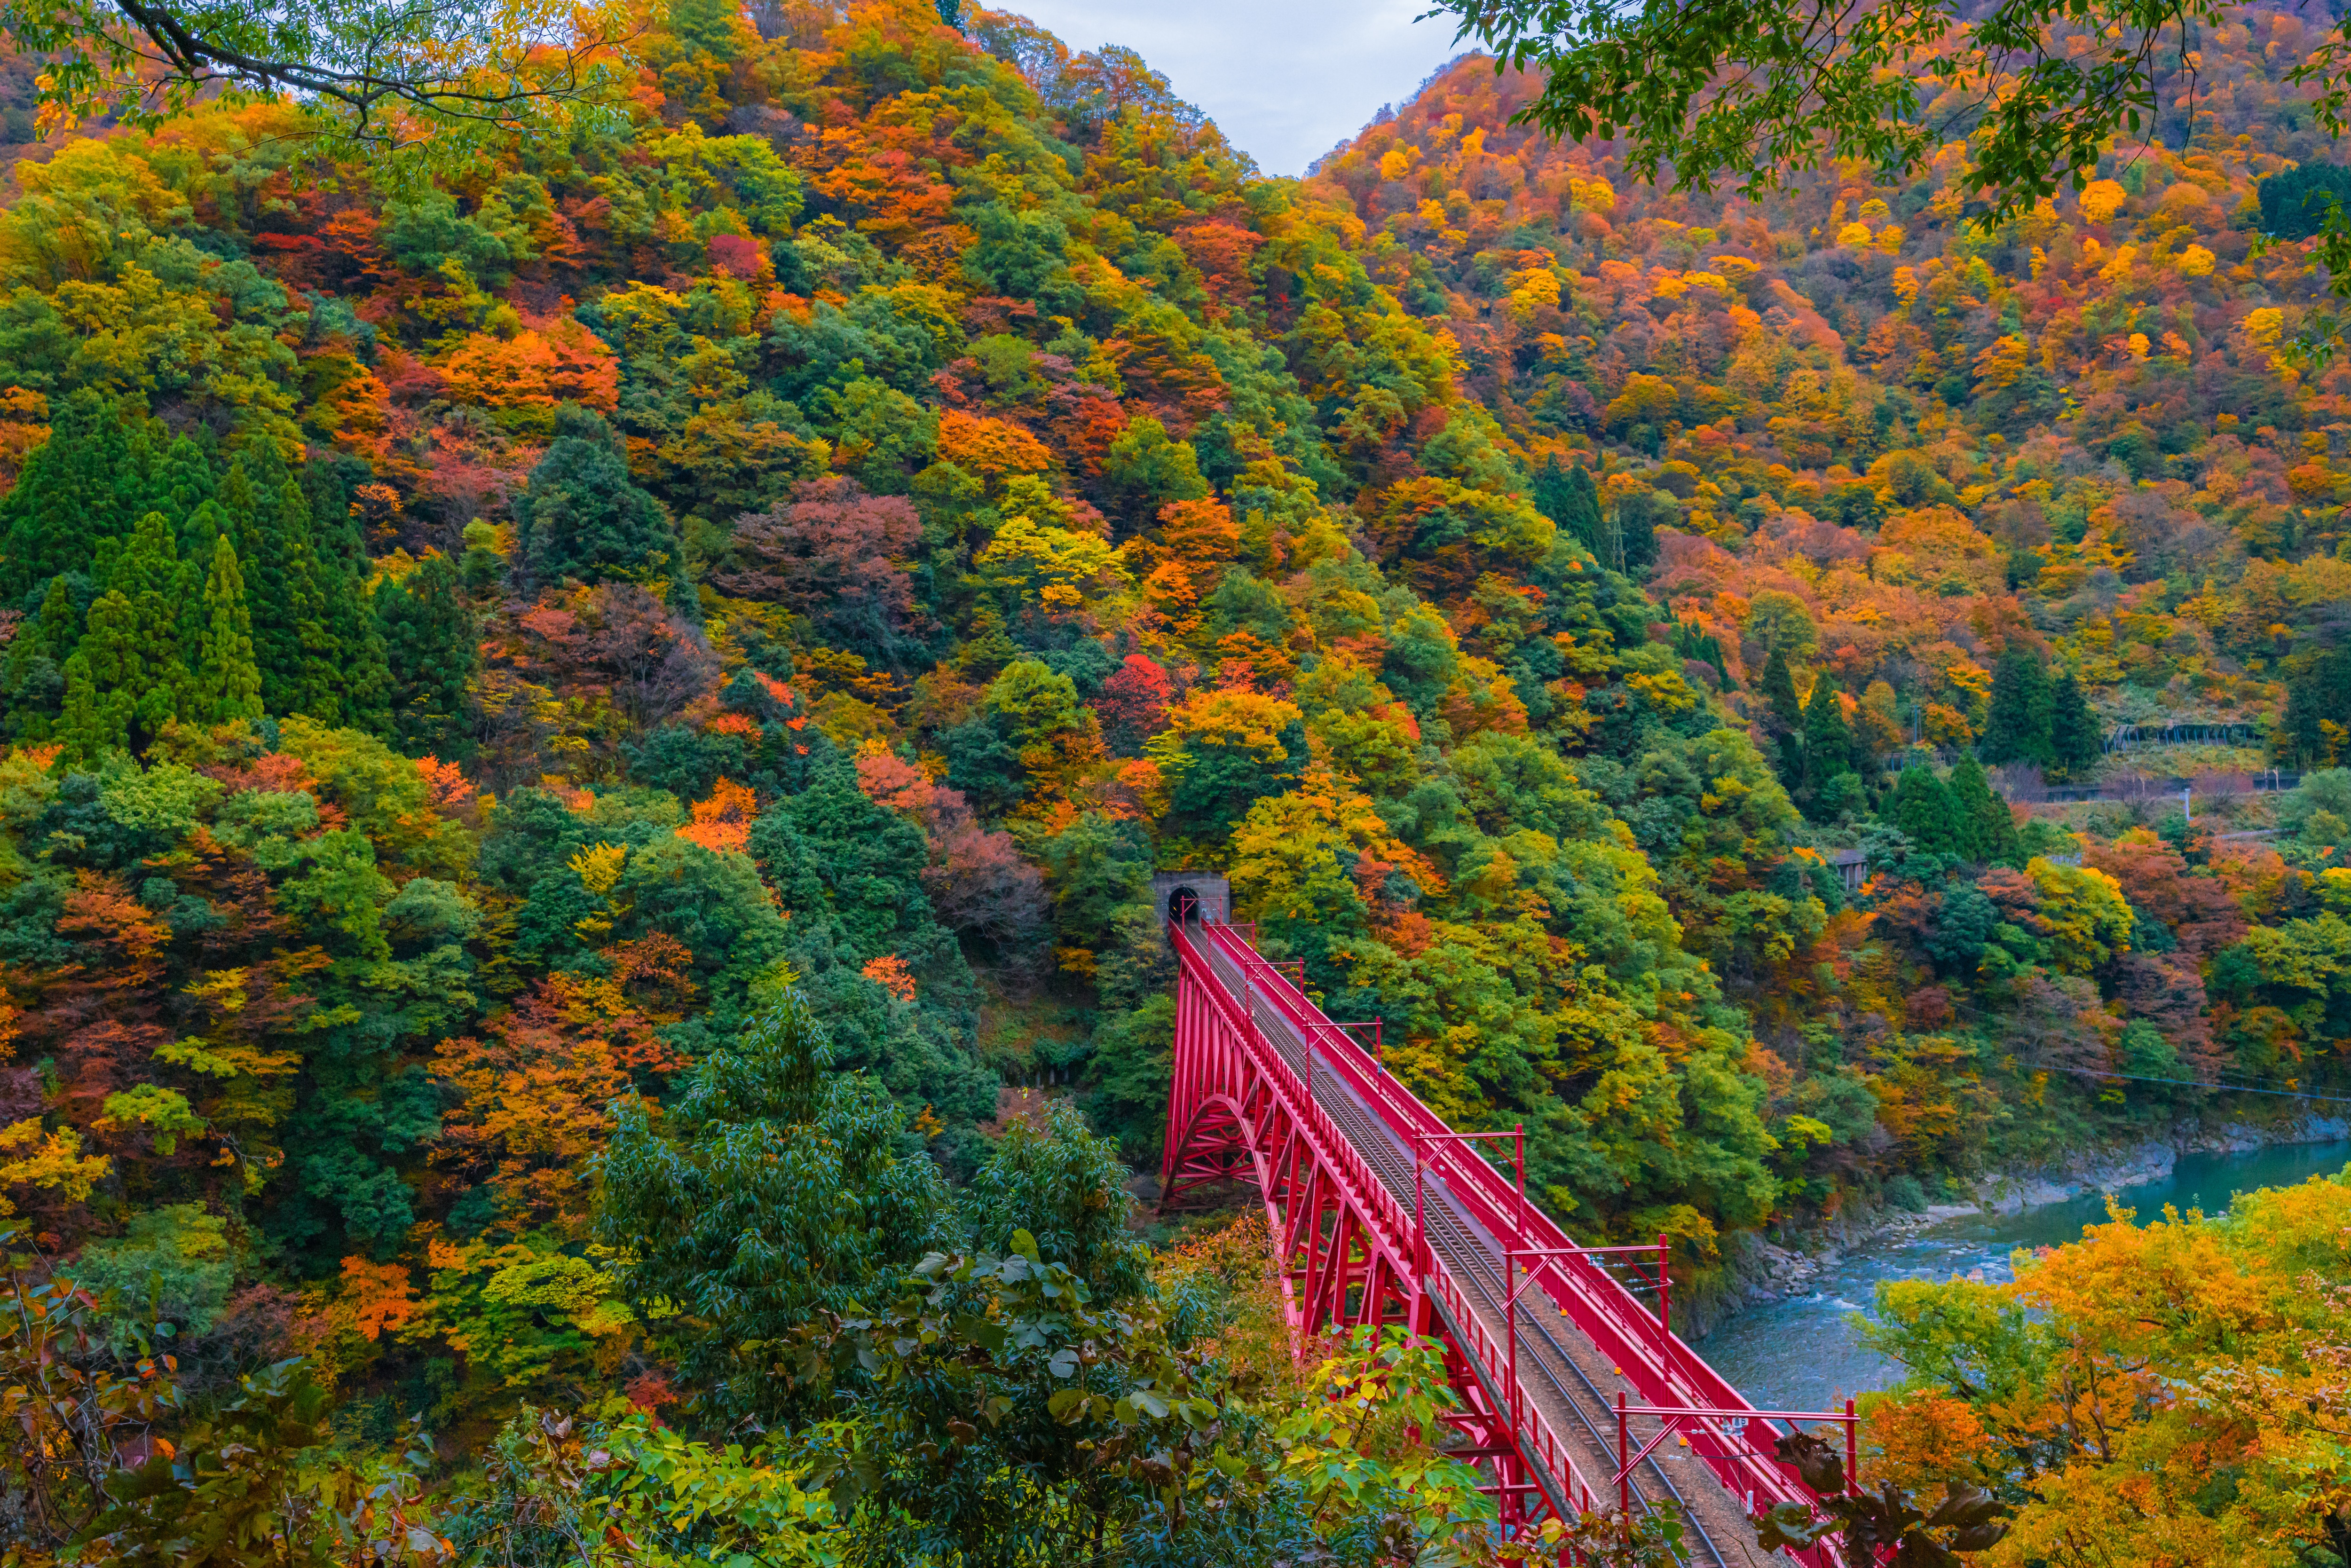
column 1287, row 79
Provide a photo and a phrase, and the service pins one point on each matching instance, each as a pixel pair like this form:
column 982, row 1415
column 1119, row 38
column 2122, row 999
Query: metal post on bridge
column 1419, row 1241
column 1664, row 1276
column 1623, row 1470
column 1378, row 1029
column 1512, row 1288
column 1518, row 1135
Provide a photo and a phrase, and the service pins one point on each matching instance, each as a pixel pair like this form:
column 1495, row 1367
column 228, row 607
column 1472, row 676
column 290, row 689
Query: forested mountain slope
column 469, row 649
column 2079, row 427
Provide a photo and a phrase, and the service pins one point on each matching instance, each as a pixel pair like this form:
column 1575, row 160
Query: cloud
column 1288, row 81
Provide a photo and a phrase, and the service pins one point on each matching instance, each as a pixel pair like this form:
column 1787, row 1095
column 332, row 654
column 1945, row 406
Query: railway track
column 1560, row 1369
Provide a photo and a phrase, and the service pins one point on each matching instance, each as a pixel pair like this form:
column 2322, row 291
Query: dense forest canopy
column 611, row 699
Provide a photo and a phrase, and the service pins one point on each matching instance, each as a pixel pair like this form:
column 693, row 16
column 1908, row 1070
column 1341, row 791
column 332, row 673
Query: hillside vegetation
column 495, row 671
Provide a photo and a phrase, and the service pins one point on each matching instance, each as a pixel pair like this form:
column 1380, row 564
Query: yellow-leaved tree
column 2174, row 1392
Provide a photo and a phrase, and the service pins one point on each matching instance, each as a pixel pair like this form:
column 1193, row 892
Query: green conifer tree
column 147, row 575
column 94, row 723
column 1984, row 817
column 362, row 677
column 270, row 521
column 1779, row 690
column 1972, row 802
column 1786, row 722
column 65, row 498
column 250, row 508
column 1634, row 522
column 60, row 620
column 110, row 640
column 104, row 680
column 1548, row 489
column 2017, row 727
column 238, row 510
column 2317, row 709
column 316, row 676
column 1583, row 506
column 1924, row 810
column 1703, row 647
column 32, row 677
column 428, row 630
column 2075, row 740
column 207, row 520
column 1564, row 493
column 582, row 516
column 206, row 524
column 1828, row 742
column 135, row 483
column 227, row 684
column 183, row 481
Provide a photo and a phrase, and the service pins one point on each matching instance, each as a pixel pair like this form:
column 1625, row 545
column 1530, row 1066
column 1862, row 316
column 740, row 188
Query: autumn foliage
column 836, row 527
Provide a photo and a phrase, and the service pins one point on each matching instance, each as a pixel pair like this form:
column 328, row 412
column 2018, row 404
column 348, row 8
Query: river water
column 1802, row 1353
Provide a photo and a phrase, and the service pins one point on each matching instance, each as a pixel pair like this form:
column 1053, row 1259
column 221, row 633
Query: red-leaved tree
column 831, row 552
column 978, row 882
column 1133, row 703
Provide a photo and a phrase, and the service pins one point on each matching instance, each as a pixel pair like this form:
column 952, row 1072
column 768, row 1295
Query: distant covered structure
column 1852, row 867
column 1182, row 895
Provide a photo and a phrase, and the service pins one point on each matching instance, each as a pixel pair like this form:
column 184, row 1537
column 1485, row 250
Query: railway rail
column 1382, row 1214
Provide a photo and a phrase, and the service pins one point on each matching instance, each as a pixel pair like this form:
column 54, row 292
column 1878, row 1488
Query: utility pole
column 2187, row 809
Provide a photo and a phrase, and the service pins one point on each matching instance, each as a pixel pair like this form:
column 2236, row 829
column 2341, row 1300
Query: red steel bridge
column 1575, row 1396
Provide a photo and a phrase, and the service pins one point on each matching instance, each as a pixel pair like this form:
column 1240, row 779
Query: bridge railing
column 1655, row 1360
column 1539, row 1440
column 1542, row 1444
column 1330, row 1144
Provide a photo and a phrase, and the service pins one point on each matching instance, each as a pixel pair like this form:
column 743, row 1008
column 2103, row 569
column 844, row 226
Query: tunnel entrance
column 1191, row 895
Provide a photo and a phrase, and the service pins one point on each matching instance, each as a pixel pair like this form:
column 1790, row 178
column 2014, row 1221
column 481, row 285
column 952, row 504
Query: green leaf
column 988, row 1336
column 1791, row 1525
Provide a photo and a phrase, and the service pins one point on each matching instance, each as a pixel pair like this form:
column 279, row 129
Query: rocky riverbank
column 2110, row 1170
column 1758, row 1269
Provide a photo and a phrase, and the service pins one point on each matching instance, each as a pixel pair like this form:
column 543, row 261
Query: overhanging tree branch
column 380, row 74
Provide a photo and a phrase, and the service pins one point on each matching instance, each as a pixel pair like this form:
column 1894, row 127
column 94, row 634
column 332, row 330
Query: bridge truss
column 1382, row 1215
